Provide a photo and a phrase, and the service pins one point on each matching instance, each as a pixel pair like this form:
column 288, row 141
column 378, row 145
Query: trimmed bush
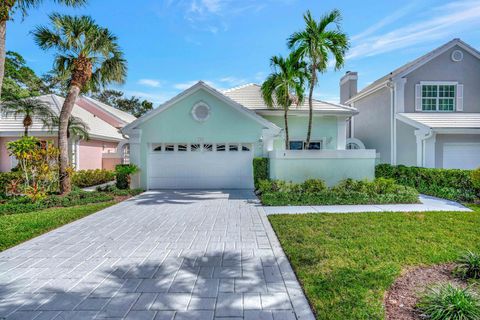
column 447, row 302
column 452, row 184
column 468, row 266
column 315, row 192
column 260, row 170
column 88, row 178
column 123, row 172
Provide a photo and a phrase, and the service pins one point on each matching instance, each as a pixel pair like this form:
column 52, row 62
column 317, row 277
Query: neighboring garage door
column 461, row 155
column 200, row 166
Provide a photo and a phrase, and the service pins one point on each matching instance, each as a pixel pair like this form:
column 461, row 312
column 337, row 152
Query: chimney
column 348, row 86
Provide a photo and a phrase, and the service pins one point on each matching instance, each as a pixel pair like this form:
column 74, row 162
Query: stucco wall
column 406, row 144
column 372, row 124
column 176, row 125
column 91, row 153
column 323, row 127
column 442, row 68
column 441, row 139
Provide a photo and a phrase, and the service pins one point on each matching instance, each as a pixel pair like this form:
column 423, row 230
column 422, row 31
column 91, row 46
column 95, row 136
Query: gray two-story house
column 425, row 113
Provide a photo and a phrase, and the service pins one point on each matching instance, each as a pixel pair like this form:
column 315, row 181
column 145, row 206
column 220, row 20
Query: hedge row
column 260, row 170
column 315, row 192
column 88, row 178
column 452, row 184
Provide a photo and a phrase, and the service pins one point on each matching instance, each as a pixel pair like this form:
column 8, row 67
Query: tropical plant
column 29, row 109
column 76, row 127
column 90, row 56
column 446, row 302
column 315, row 44
column 123, row 175
column 7, row 8
column 284, row 86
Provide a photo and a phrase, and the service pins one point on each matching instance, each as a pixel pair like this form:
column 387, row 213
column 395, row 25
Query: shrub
column 123, row 172
column 315, row 192
column 6, row 178
column 452, row 184
column 475, row 176
column 468, row 266
column 447, row 302
column 260, row 170
column 88, row 178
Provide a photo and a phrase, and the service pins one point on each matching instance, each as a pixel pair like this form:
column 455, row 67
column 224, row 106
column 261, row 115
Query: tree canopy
column 117, row 99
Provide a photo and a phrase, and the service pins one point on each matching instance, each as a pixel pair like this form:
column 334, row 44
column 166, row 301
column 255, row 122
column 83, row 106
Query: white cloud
column 150, row 82
column 150, row 96
column 184, row 85
column 437, row 23
column 233, row 81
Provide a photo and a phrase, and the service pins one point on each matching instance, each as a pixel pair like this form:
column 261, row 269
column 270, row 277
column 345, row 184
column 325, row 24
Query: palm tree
column 284, row 86
column 28, row 108
column 315, row 44
column 7, row 8
column 76, row 127
column 90, row 56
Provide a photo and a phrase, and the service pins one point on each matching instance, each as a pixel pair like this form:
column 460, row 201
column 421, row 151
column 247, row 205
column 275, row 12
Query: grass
column 17, row 228
column 346, row 262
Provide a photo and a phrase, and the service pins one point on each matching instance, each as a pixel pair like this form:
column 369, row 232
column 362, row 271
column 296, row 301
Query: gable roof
column 114, row 112
column 202, row 85
column 414, row 64
column 98, row 127
column 250, row 96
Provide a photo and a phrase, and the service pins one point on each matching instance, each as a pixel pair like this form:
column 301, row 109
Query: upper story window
column 438, row 97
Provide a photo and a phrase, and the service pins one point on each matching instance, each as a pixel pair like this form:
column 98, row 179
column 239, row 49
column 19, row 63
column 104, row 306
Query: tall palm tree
column 284, row 86
column 76, row 127
column 315, row 44
column 7, row 8
column 28, row 108
column 90, row 56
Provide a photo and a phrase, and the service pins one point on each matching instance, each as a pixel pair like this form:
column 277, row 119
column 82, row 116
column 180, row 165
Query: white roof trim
column 411, row 122
column 368, row 92
column 201, row 85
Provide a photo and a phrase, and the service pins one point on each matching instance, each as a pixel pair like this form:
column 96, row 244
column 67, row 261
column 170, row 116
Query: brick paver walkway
column 164, row 255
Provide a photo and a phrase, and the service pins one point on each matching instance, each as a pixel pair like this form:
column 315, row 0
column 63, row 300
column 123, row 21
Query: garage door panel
column 200, row 170
column 461, row 155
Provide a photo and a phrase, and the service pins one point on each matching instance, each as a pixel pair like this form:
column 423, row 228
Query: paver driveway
column 163, row 255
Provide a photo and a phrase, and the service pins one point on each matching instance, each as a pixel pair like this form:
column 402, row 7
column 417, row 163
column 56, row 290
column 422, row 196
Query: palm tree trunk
column 25, row 133
column 73, row 92
column 310, row 108
column 287, row 139
column 3, row 34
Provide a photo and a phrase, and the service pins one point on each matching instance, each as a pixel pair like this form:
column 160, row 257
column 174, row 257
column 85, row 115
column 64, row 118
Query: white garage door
column 200, row 166
column 461, row 155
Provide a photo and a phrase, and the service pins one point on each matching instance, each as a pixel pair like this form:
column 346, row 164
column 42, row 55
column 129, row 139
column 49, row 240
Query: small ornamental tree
column 39, row 166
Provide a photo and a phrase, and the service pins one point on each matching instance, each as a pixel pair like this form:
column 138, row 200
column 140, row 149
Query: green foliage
column 6, row 178
column 120, row 192
column 132, row 105
column 315, row 192
column 88, row 178
column 468, row 266
column 446, row 302
column 123, row 172
column 260, row 170
column 346, row 262
column 475, row 176
column 452, row 184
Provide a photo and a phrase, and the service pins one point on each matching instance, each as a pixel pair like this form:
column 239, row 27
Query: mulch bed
column 402, row 297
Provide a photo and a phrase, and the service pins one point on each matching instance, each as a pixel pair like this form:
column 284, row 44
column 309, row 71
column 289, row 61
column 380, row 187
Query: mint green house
column 204, row 138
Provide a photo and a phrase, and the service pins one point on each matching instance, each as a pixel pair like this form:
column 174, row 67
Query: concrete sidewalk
column 427, row 204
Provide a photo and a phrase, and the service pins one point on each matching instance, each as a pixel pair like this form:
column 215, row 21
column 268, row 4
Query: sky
column 171, row 44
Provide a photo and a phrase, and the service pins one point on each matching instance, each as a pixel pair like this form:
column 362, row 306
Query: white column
column 135, row 156
column 341, row 133
column 429, row 151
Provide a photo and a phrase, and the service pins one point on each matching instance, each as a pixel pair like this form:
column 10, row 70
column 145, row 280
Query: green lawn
column 17, row 228
column 346, row 262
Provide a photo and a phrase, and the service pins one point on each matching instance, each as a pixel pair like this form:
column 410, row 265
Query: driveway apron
column 162, row 255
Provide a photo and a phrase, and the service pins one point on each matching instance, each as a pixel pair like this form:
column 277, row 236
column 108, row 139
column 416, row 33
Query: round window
column 457, row 55
column 201, row 111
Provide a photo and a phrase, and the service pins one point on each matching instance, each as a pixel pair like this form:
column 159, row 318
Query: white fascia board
column 293, row 112
column 411, row 122
column 200, row 85
column 368, row 92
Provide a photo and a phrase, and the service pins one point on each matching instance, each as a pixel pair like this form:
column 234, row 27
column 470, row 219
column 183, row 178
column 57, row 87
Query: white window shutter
column 459, row 97
column 418, row 97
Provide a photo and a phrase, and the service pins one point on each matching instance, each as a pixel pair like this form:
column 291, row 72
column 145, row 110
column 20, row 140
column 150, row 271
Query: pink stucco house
column 104, row 149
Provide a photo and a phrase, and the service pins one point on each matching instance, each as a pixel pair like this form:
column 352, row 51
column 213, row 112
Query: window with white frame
column 302, row 145
column 438, row 97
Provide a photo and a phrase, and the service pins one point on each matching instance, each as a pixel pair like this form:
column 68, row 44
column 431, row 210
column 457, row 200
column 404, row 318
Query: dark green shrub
column 468, row 266
column 447, row 302
column 6, row 178
column 475, row 176
column 88, row 178
column 314, row 192
column 260, row 170
column 452, row 184
column 123, row 172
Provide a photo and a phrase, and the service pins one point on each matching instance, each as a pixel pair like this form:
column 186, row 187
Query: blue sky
column 170, row 44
